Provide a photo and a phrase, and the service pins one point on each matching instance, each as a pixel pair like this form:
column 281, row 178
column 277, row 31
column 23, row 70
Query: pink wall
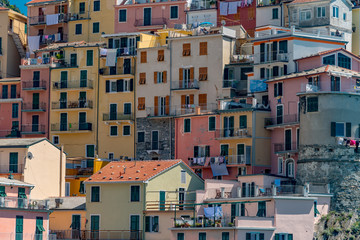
column 6, row 109
column 136, row 12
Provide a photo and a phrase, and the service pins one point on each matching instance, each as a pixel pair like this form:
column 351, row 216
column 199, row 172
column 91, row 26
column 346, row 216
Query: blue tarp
column 219, row 169
column 258, row 85
column 209, row 212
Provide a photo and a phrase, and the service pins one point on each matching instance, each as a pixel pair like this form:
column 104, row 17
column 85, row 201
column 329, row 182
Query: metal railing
column 14, row 168
column 117, row 116
column 27, row 236
column 36, row 61
column 271, row 56
column 32, row 128
column 72, row 104
column 168, row 205
column 83, row 167
column 286, row 147
column 158, row 111
column 185, row 84
column 201, row 222
column 24, row 203
column 14, row 133
column 96, row 234
column 234, row 83
column 242, row 58
column 204, row 6
column 34, row 107
column 53, row 38
column 310, row 88
column 233, row 133
column 63, row 63
column 125, row 51
column 73, row 84
column 9, row 96
column 192, row 109
column 152, row 22
column 38, row 20
column 34, row 84
column 153, row 146
column 71, row 127
column 108, row 71
column 286, row 119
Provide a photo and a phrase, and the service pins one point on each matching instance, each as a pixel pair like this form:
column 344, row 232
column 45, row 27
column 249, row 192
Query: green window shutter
column 187, row 125
column 275, row 90
column 107, row 86
column 277, row 236
column 155, row 227
column 348, row 129
column 333, row 129
column 290, row 236
column 248, row 236
column 95, row 220
column 240, row 149
column 212, row 122
column 135, row 193
column 242, row 206
column 19, row 227
column 202, row 236
column 261, row 236
column 76, row 222
column 180, row 236
column 196, row 151
column 147, row 224
column 89, row 57
column 13, row 164
column 39, row 225
column 95, row 194
column 225, row 236
column 243, row 121
column 134, row 223
column 96, row 27
column 2, row 191
column 207, row 151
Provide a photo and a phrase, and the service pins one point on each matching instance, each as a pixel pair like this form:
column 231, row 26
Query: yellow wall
column 355, row 35
column 62, row 219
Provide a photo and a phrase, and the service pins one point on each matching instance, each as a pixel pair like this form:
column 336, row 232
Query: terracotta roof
column 57, row 46
column 3, row 8
column 304, row 1
column 43, row 1
column 132, row 171
column 330, row 51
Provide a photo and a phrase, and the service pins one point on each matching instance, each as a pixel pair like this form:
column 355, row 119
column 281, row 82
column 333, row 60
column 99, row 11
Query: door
column 154, row 140
column 63, row 79
column 19, row 227
column 132, row 46
column 224, row 150
column 134, row 226
column 82, row 99
column 187, row 80
column 13, row 163
column 240, row 153
column 13, row 91
column 181, row 198
column 162, row 101
column 288, row 139
column 73, row 59
column 83, row 78
column 63, row 100
column 21, row 197
column 63, row 122
column 41, row 15
column 127, row 66
column 36, row 79
column 35, row 123
column 75, row 226
column 147, row 16
column 279, row 114
column 36, row 104
column 82, row 121
column 113, row 111
column 95, row 227
column 39, row 228
column 162, row 201
column 228, row 126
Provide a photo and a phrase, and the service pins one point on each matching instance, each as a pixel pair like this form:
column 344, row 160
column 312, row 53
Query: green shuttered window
column 135, row 193
column 95, row 194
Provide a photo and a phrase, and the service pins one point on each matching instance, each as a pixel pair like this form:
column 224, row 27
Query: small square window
column 174, row 12
column 141, row 137
column 122, row 15
column 111, row 156
column 96, row 27
column 55, row 140
column 275, row 13
column 78, row 29
column 126, row 130
column 113, row 130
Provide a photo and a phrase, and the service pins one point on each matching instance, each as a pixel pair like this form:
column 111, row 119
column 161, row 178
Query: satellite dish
column 223, row 22
column 30, row 155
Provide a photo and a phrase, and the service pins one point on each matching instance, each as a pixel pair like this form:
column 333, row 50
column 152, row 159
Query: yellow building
column 243, row 137
column 12, row 42
column 356, row 31
column 90, row 19
column 139, row 196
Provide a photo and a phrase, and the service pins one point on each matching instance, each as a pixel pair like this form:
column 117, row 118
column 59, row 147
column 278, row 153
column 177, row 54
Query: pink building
column 35, row 92
column 145, row 15
column 22, row 217
column 10, row 107
column 254, row 207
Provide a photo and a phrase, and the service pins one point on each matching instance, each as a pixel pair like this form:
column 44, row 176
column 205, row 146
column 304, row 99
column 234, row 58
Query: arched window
column 290, row 166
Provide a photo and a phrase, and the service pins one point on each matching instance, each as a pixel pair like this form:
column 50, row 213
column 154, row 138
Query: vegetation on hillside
column 7, row 4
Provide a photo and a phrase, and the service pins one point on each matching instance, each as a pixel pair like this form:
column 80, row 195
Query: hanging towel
column 219, row 169
column 52, row 19
column 352, row 142
column 207, row 161
column 103, row 51
column 111, row 57
column 211, row 212
column 233, row 8
column 202, row 161
column 340, row 141
column 34, row 43
column 224, row 8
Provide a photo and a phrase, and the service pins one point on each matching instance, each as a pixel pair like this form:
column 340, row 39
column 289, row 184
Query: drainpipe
column 97, row 104
column 134, row 105
column 49, row 102
column 144, row 208
column 61, row 164
column 171, row 118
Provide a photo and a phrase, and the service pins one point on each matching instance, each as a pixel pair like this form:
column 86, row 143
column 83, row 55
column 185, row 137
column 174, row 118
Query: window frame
column 98, row 30
column 86, row 150
column 120, row 21
column 185, row 129
column 335, row 14
column 99, row 6
column 143, row 132
column 183, row 176
column 275, row 10
column 322, row 12
column 91, row 194
column 344, row 128
column 212, row 129
column 306, row 11
column 53, row 139
column 124, row 131
column 76, row 28
column 281, row 160
column 171, row 18
column 117, row 131
column 310, row 107
column 136, row 185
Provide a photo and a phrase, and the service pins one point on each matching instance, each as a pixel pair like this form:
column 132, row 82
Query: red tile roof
column 41, row 1
column 129, row 171
column 3, row 8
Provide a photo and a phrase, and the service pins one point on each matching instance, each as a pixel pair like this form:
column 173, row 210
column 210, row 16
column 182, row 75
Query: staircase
column 19, row 45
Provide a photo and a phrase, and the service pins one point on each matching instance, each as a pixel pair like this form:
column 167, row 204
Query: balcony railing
column 193, row 109
column 233, row 133
column 234, row 83
column 158, row 111
column 272, row 56
column 153, row 146
column 53, row 38
column 34, row 85
column 201, row 5
column 185, row 84
column 31, row 107
column 72, row 104
column 36, row 61
column 71, row 127
column 169, row 205
column 117, row 71
column 117, row 116
column 125, row 51
column 14, row 168
column 63, row 63
column 73, row 84
column 39, row 20
column 282, row 120
column 152, row 22
column 9, row 96
column 286, row 147
column 33, row 129
column 95, row 235
column 24, row 203
column 83, row 167
column 14, row 133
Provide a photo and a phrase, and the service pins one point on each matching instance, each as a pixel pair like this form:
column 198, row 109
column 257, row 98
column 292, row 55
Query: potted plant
column 231, row 224
column 212, row 3
column 198, row 225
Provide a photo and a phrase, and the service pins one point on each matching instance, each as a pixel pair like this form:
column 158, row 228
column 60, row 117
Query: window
column 203, row 74
column 143, row 57
column 95, row 194
column 39, row 227
column 283, row 46
column 174, row 12
column 305, row 15
column 183, row 176
column 82, row 187
column 96, row 27
column 122, row 15
column 19, row 227
column 329, row 60
column 275, row 13
column 96, row 6
column 186, row 49
column 55, row 140
column 73, row 60
column 134, row 223
column 155, row 140
column 202, row 236
column 180, row 236
column 126, row 130
column 90, row 151
column 142, row 78
column 280, row 165
column 15, row 110
column 135, row 193
column 255, row 236
column 141, row 103
column 335, row 84
column 5, row 92
column 161, row 56
column 141, row 137
column 113, row 130
column 67, row 189
column 89, row 57
column 283, row 236
column 187, row 125
column 151, row 223
column 160, row 77
column 203, row 48
column 321, row 12
column 111, row 155
column 212, row 123
column 225, row 236
column 81, row 8
column 344, row 16
column 95, row 226
column 78, row 29
column 335, row 12
column 279, row 114
column 13, row 91
column 312, row 104
column 344, row 61
column 201, row 151
column 127, row 108
column 338, row 129
column 243, row 121
column 278, row 89
column 13, row 162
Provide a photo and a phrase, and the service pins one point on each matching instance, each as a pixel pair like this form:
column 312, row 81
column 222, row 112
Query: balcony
column 153, row 22
column 230, row 160
column 75, row 84
column 79, row 16
column 163, row 111
column 169, row 205
column 37, row 61
column 13, row 168
column 242, row 58
column 41, row 20
column 111, row 71
column 124, row 51
column 201, row 5
column 92, row 235
column 33, row 107
column 191, row 84
column 193, row 109
column 53, row 38
column 63, row 63
column 234, row 83
column 155, row 146
column 83, row 167
column 265, row 3
column 286, row 147
column 233, row 133
column 118, row 117
column 34, row 85
column 71, row 127
column 271, row 57
column 14, row 133
column 11, row 96
column 282, row 121
column 33, row 129
column 72, row 105
column 24, row 203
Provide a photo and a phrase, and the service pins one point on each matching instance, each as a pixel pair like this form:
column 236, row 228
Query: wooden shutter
column 183, row 100
column 191, row 98
column 141, row 103
column 120, row 85
column 142, row 78
column 160, row 55
column 196, row 149
column 131, row 85
column 207, row 151
column 155, row 77
column 107, row 86
column 203, row 74
column 167, row 105
column 164, row 76
column 203, row 48
column 143, row 57
column 186, row 49
column 181, row 73
column 333, row 129
column 156, row 105
column 192, row 73
column 203, row 100
column 348, row 129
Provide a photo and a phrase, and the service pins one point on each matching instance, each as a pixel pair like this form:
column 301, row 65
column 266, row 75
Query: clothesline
column 228, row 8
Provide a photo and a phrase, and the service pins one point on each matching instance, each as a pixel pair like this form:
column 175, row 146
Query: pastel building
column 21, row 215
column 355, row 28
column 150, row 191
column 199, row 11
